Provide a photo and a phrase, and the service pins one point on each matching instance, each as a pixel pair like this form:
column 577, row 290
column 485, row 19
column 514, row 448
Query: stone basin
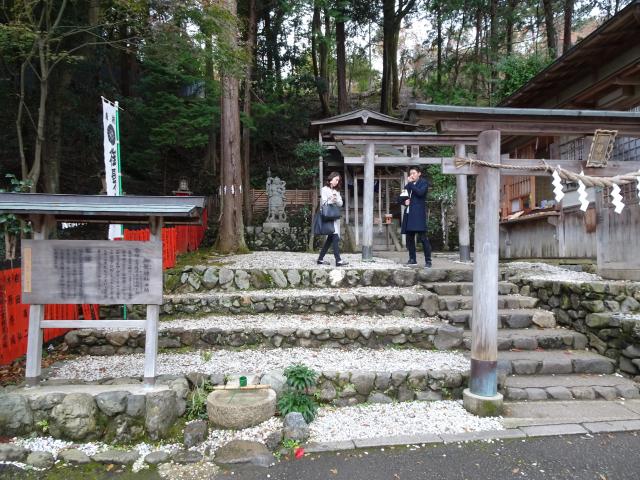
column 241, row 408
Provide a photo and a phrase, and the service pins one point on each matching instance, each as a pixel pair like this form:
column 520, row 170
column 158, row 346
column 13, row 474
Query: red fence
column 14, row 315
column 175, row 240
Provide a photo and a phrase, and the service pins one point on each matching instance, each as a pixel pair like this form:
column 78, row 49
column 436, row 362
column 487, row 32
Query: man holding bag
column 414, row 222
column 327, row 221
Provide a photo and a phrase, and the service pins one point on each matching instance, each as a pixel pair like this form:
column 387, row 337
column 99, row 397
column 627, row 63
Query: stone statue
column 276, row 196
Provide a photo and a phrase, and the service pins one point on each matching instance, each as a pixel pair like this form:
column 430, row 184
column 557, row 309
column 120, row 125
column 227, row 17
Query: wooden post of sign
column 367, row 203
column 482, row 397
column 462, row 209
column 33, row 368
column 356, row 206
column 153, row 314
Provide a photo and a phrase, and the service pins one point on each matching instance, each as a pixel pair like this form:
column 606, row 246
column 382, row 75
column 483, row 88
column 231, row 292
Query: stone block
column 112, row 403
column 583, row 393
column 40, row 460
column 16, row 416
column 559, row 393
column 240, row 408
column 244, row 452
column 161, row 413
column 536, row 393
column 195, row 433
column 295, row 427
column 74, row 456
column 76, row 417
column 116, row 457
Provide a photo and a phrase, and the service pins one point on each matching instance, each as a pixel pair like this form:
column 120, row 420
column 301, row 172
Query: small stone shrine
column 277, row 217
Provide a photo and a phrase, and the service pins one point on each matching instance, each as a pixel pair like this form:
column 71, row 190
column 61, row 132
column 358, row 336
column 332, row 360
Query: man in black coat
column 415, row 215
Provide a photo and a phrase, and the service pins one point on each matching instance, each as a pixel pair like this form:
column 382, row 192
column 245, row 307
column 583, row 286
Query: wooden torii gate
column 484, row 127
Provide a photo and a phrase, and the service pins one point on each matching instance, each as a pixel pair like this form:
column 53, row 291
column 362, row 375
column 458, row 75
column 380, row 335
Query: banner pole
column 117, row 107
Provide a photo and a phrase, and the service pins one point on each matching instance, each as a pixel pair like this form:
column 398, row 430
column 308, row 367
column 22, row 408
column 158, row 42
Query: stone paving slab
column 544, row 381
column 329, row 446
column 554, row 362
column 507, row 317
column 134, row 389
column 397, row 440
column 613, row 426
column 486, row 435
column 533, row 338
column 552, row 430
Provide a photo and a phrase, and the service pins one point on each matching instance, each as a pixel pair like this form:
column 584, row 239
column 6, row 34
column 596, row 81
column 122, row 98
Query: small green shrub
column 197, row 402
column 300, row 377
column 293, row 401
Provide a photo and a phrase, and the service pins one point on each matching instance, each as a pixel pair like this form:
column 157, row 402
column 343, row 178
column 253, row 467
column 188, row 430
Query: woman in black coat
column 415, row 215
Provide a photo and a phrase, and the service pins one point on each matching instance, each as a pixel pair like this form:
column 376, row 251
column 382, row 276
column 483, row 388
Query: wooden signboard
column 91, row 271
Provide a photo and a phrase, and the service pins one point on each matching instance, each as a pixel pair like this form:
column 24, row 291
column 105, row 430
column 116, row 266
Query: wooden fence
column 260, row 201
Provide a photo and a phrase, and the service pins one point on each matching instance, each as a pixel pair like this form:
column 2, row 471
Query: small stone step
column 554, row 362
column 279, row 331
column 465, row 302
column 405, row 301
column 569, row 387
column 507, row 318
column 536, row 338
column 466, row 288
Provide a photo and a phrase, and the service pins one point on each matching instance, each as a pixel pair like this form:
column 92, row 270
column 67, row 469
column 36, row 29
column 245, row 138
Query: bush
column 300, row 379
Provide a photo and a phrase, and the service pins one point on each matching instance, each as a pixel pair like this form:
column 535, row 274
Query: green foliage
column 515, row 70
column 197, row 402
column 292, row 401
column 290, row 444
column 300, row 379
column 8, row 221
column 307, row 154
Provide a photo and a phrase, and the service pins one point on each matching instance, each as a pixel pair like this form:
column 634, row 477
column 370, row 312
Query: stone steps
column 466, row 288
column 507, row 318
column 536, row 338
column 276, row 331
column 205, row 278
column 399, row 301
column 553, row 362
column 569, row 387
column 464, row 302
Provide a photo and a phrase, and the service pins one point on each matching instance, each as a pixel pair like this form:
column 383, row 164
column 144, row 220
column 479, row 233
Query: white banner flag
column 112, row 157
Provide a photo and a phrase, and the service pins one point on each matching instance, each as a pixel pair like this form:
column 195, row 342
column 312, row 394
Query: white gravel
column 219, row 437
column 307, row 322
column 260, row 361
column 306, row 292
column 545, row 271
column 394, row 419
column 285, row 260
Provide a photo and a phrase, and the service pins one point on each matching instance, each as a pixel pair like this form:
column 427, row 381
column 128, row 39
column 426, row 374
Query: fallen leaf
column 515, row 470
column 602, row 477
column 334, row 471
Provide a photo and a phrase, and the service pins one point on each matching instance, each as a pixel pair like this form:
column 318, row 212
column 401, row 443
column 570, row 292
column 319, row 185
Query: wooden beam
column 532, row 127
column 396, row 161
column 114, row 324
column 611, row 170
column 428, row 139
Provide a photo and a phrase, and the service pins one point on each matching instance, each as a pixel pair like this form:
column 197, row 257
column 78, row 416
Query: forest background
column 221, row 91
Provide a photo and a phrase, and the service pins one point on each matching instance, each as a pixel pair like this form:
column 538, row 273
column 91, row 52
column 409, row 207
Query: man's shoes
column 341, row 263
column 427, row 265
column 322, row 262
column 411, row 263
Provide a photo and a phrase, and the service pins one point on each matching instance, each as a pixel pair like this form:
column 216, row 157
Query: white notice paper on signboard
column 92, row 271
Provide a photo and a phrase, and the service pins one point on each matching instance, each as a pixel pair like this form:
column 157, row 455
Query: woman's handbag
column 330, row 212
column 321, row 227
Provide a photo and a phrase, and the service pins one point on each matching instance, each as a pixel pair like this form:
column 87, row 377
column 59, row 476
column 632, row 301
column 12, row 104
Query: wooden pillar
column 482, row 397
column 346, row 196
column 403, row 182
column 462, row 210
column 356, row 207
column 367, row 203
column 33, row 369
column 153, row 314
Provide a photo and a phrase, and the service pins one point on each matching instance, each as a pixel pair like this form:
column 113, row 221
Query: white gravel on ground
column 394, row 419
column 260, row 361
column 285, row 260
column 308, row 292
column 219, row 437
column 545, row 271
column 307, row 322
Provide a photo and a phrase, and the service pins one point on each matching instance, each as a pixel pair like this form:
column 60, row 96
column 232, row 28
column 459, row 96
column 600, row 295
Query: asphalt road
column 597, row 457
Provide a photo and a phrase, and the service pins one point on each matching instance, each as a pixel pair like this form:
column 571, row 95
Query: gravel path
column 545, row 271
column 307, row 322
column 284, row 260
column 260, row 361
column 393, row 419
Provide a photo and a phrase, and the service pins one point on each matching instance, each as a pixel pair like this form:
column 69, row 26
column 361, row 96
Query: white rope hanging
column 582, row 195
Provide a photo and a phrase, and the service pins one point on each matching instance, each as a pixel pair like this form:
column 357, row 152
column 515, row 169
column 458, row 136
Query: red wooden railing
column 14, row 315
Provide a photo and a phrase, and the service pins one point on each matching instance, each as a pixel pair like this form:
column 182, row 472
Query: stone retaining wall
column 202, row 279
column 412, row 304
column 608, row 313
column 100, row 342
column 294, row 239
column 114, row 416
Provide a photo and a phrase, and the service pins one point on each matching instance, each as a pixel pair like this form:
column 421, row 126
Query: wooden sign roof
column 103, row 208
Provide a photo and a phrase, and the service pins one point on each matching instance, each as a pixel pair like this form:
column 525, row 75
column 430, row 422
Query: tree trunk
column 341, row 66
column 439, row 44
column 568, row 21
column 552, row 42
column 210, row 160
column 476, row 52
column 320, row 60
column 246, row 110
column 231, row 230
column 388, row 9
column 509, row 27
